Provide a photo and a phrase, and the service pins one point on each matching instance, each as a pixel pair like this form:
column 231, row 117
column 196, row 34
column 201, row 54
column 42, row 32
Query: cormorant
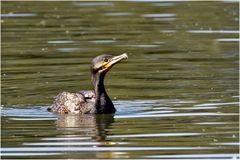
column 90, row 101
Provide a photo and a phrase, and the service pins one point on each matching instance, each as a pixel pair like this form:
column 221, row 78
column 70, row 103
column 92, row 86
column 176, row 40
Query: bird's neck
column 103, row 103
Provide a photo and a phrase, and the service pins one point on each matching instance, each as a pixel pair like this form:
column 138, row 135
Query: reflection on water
column 184, row 127
column 176, row 97
column 73, row 123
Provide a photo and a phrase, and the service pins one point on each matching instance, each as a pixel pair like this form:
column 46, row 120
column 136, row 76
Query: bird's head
column 103, row 63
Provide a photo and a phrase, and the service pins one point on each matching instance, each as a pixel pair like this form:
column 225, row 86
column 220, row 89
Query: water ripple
column 93, row 4
column 30, row 154
column 163, row 4
column 177, row 115
column 198, row 156
column 18, row 14
column 216, row 104
column 33, row 119
column 95, row 148
column 66, row 138
column 72, row 143
column 118, row 14
column 215, row 31
column 60, row 42
column 157, row 15
column 155, row 135
column 228, row 40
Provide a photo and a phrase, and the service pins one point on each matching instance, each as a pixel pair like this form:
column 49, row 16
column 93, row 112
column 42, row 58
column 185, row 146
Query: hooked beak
column 115, row 60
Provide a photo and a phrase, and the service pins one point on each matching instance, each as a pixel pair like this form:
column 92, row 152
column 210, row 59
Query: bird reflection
column 89, row 129
column 91, row 125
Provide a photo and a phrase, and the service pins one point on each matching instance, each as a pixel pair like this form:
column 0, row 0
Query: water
column 176, row 96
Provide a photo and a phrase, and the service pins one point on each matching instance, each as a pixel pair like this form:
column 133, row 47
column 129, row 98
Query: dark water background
column 177, row 95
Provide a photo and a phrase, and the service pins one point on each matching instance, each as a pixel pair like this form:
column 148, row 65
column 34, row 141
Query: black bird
column 90, row 101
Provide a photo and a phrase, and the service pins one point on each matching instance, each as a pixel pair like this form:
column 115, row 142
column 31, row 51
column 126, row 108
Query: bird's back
column 81, row 102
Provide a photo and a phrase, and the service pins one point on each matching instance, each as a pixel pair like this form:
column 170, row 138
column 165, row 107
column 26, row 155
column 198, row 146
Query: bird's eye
column 105, row 60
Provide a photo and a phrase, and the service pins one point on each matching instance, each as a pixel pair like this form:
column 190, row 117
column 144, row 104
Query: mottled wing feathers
column 81, row 102
column 88, row 94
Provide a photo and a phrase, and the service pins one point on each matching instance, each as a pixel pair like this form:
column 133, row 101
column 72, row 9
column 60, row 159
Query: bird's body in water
column 90, row 101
